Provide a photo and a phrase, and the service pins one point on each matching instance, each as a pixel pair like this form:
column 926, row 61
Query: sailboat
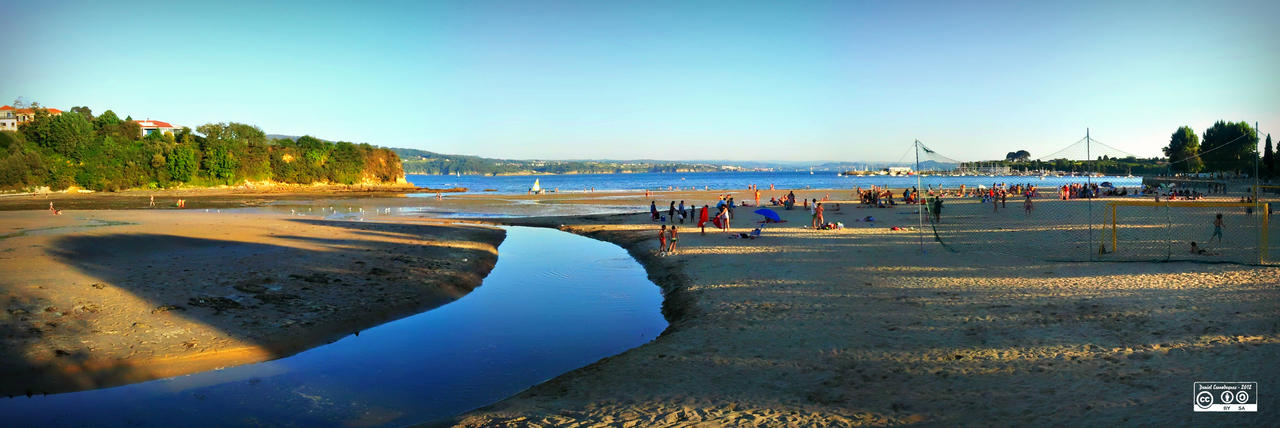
column 537, row 187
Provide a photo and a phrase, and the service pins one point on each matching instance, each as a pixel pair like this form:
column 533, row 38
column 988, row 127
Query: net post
column 1263, row 247
column 1113, row 227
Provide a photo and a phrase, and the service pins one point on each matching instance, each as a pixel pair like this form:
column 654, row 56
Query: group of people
column 700, row 217
column 667, row 240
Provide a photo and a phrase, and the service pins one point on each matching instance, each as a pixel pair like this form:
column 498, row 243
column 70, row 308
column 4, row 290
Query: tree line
column 106, row 153
column 1224, row 147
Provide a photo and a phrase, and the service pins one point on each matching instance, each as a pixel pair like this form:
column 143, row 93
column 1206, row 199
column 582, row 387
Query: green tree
column 221, row 162
column 1184, row 151
column 1269, row 158
column 39, row 129
column 106, row 119
column 68, row 133
column 1230, row 146
column 83, row 111
column 182, row 163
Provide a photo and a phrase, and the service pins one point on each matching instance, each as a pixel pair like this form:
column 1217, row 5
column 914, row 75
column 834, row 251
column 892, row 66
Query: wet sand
column 855, row 327
column 100, row 298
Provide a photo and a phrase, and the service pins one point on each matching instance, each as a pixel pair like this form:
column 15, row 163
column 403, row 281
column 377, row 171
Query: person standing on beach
column 671, row 213
column 662, row 240
column 682, row 212
column 653, row 209
column 817, row 215
column 1026, row 204
column 673, row 238
column 1004, row 198
column 757, row 197
column 1217, row 229
column 702, row 220
column 731, row 207
column 722, row 218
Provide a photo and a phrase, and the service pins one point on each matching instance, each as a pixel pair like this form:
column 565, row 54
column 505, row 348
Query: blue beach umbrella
column 768, row 213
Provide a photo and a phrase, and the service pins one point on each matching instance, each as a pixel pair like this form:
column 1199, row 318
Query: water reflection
column 554, row 302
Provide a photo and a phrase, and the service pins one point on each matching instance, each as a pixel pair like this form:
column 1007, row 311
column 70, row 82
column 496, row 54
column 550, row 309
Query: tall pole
column 1088, row 188
column 919, row 191
column 1256, row 181
column 1257, row 200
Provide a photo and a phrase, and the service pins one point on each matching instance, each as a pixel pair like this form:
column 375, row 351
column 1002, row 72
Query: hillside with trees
column 106, row 153
column 424, row 162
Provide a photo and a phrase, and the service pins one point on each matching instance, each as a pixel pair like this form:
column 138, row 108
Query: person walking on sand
column 1217, row 229
column 672, row 239
column 153, row 202
column 813, row 213
column 702, row 219
column 936, row 208
column 817, row 215
column 662, row 240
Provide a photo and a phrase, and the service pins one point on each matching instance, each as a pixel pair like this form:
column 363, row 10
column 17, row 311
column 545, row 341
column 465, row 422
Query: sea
column 519, row 184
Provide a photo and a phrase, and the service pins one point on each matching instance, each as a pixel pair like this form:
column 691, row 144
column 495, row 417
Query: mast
column 919, row 206
column 1088, row 156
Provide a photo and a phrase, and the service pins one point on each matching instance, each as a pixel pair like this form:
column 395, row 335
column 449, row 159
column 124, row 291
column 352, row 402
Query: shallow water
column 554, row 302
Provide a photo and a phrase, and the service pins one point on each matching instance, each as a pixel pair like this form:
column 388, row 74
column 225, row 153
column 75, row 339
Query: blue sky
column 683, row 80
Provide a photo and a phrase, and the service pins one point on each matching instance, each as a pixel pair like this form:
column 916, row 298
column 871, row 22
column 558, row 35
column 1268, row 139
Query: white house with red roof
column 11, row 117
column 153, row 126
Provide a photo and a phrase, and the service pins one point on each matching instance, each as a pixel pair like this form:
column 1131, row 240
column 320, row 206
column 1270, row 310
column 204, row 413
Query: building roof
column 153, row 124
column 28, row 111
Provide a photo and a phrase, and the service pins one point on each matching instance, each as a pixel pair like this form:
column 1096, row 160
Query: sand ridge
column 100, row 298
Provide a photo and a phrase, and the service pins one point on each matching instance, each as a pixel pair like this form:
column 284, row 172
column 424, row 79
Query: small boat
column 537, row 187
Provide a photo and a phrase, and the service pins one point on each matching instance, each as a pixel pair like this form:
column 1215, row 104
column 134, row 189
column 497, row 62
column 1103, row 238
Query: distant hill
column 424, row 162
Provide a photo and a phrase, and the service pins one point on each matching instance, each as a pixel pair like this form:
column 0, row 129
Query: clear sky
column 684, row 80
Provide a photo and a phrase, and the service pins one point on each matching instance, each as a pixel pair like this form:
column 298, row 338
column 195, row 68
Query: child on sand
column 673, row 239
column 662, row 240
column 1026, row 204
column 1217, row 229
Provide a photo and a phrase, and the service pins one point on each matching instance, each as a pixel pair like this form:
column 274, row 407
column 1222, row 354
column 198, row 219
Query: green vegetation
column 423, row 162
column 1184, row 149
column 1104, row 164
column 107, row 154
column 1225, row 147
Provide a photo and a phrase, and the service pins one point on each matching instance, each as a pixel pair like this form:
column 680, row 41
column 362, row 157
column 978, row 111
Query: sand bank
column 99, row 298
column 855, row 327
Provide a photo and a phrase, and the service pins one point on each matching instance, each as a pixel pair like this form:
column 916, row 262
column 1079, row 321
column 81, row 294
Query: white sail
column 536, row 187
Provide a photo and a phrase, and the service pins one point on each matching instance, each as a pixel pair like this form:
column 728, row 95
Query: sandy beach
column 856, row 327
column 850, row 327
column 104, row 297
